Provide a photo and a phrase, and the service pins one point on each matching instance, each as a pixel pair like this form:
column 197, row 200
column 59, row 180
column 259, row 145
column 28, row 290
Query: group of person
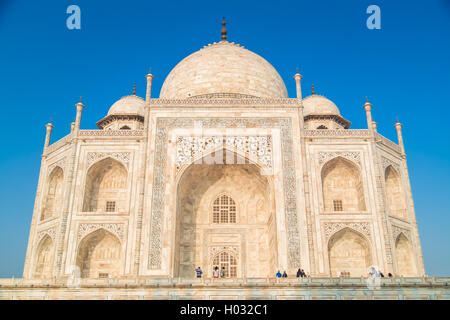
column 216, row 272
column 300, row 274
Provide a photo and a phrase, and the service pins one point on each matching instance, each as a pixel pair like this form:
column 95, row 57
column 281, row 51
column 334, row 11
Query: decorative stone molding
column 60, row 163
column 396, row 230
column 388, row 143
column 190, row 148
column 163, row 125
column 387, row 162
column 123, row 157
column 337, row 133
column 51, row 232
column 115, row 228
column 278, row 102
column 330, row 228
column 216, row 249
column 58, row 144
column 111, row 133
column 324, row 157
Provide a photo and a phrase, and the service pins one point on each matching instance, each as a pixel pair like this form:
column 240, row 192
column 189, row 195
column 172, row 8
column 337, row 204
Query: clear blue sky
column 404, row 68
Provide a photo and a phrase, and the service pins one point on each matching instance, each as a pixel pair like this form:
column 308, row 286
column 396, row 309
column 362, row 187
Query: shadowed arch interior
column 99, row 255
column 54, row 195
column 405, row 257
column 394, row 193
column 342, row 186
column 105, row 188
column 349, row 251
column 43, row 266
column 254, row 232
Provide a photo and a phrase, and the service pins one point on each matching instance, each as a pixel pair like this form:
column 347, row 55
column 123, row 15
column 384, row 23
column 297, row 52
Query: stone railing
column 58, row 144
column 211, row 282
column 337, row 133
column 388, row 143
column 111, row 133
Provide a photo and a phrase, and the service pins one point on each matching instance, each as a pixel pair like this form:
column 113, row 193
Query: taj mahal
column 222, row 169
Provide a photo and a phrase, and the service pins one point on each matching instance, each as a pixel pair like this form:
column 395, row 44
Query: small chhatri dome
column 319, row 105
column 128, row 105
column 223, row 69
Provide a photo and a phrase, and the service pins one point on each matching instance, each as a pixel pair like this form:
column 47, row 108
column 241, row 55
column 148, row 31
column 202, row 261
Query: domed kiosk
column 125, row 114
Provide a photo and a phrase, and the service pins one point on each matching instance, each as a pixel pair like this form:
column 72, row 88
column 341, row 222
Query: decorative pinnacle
column 150, row 71
column 50, row 121
column 312, row 89
column 366, row 99
column 134, row 89
column 396, row 118
column 224, row 30
column 80, row 100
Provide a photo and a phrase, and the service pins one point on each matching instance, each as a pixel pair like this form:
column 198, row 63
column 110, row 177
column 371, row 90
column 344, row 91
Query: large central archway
column 226, row 208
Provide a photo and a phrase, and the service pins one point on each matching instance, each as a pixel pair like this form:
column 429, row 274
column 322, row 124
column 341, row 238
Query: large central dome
column 223, row 69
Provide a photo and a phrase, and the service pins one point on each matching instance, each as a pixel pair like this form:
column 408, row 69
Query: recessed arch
column 342, row 186
column 54, row 194
column 394, row 193
column 349, row 251
column 99, row 255
column 195, row 237
column 43, row 265
column 404, row 252
column 106, row 187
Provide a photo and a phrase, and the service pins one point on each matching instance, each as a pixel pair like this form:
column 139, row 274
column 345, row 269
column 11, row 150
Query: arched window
column 228, row 261
column 342, row 186
column 322, row 127
column 224, row 210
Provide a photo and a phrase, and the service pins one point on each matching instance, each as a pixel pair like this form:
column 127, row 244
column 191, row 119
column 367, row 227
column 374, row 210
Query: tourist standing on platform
column 198, row 272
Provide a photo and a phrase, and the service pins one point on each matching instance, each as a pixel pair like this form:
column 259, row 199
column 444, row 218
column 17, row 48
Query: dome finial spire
column 134, row 89
column 312, row 89
column 224, row 30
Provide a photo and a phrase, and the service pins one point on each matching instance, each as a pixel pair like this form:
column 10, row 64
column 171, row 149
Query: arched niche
column 99, row 255
column 254, row 229
column 106, row 187
column 394, row 193
column 405, row 257
column 54, row 194
column 43, row 266
column 342, row 186
column 349, row 251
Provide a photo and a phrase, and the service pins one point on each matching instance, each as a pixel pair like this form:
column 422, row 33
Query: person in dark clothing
column 198, row 272
column 299, row 273
column 284, row 274
column 390, row 275
column 303, row 273
column 381, row 274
